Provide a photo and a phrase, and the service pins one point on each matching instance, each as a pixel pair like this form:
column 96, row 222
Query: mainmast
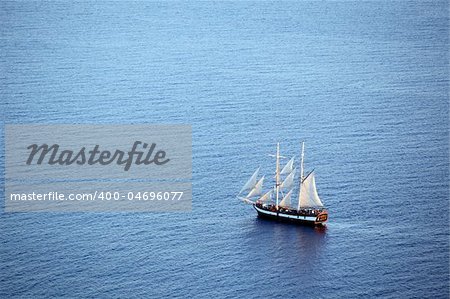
column 277, row 173
column 301, row 175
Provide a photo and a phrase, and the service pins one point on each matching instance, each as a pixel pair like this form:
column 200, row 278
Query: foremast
column 301, row 174
column 277, row 174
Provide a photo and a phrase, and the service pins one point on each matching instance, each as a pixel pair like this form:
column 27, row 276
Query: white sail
column 251, row 182
column 288, row 181
column 286, row 202
column 257, row 190
column 267, row 196
column 308, row 193
column 288, row 167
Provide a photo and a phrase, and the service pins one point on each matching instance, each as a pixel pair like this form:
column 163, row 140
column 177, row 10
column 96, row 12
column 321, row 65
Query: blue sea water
column 364, row 83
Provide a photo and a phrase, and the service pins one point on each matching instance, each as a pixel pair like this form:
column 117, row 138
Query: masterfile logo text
column 52, row 155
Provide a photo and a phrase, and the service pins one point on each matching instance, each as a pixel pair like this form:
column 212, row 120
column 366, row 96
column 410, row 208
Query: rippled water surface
column 365, row 84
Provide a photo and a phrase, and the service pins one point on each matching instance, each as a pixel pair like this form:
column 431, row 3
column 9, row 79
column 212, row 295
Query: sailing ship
column 276, row 203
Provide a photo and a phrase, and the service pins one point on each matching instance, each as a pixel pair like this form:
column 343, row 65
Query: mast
column 301, row 174
column 277, row 173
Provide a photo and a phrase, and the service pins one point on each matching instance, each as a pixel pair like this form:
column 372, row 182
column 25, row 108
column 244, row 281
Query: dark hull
column 311, row 221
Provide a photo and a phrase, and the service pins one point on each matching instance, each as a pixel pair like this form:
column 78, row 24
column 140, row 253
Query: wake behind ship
column 276, row 203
